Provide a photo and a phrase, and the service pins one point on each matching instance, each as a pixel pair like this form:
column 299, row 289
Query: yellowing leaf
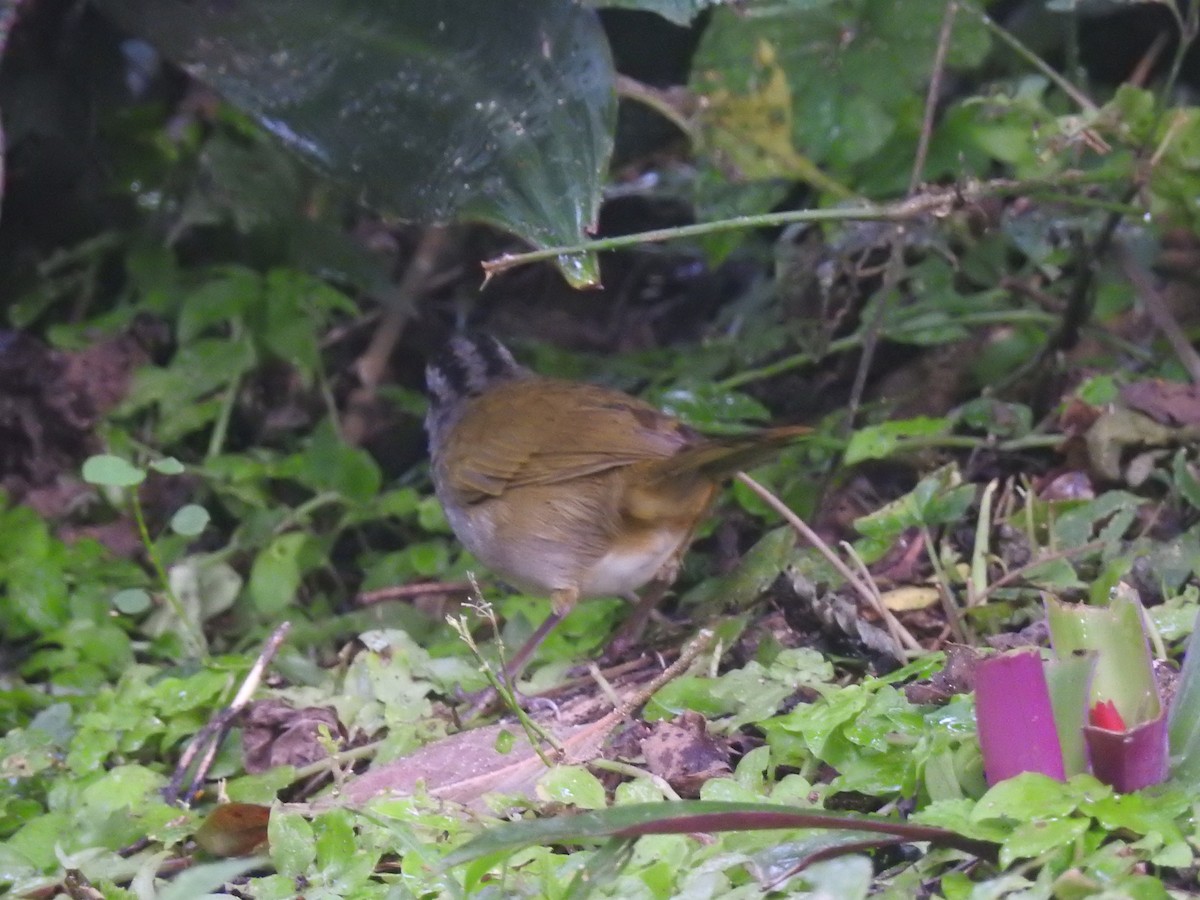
column 910, row 597
column 752, row 132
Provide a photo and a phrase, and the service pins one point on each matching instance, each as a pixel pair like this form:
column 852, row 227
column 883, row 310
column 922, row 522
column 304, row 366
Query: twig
column 587, row 750
column 209, row 738
column 1141, row 72
column 603, row 683
column 633, row 773
column 865, row 591
column 936, row 202
column 1158, row 311
column 977, row 583
column 404, row 591
column 931, row 96
column 1081, row 99
column 966, row 320
column 193, row 630
column 873, row 329
column 953, row 617
column 399, row 306
column 1189, row 27
column 902, row 637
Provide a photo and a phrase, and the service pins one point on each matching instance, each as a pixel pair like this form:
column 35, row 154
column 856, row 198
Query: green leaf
column 168, row 465
column 1035, row 838
column 573, row 786
column 112, row 471
column 226, row 295
column 1186, row 479
column 711, row 408
column 881, row 441
column 938, row 498
column 477, row 110
column 122, row 788
column 330, row 464
column 992, row 416
column 338, row 852
column 1029, row 796
column 190, row 520
column 853, row 71
column 1069, row 681
column 276, row 573
column 131, row 601
column 1124, row 671
column 292, row 841
column 1184, row 721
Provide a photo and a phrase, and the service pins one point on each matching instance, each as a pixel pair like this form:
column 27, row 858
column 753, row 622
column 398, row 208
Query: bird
column 567, row 489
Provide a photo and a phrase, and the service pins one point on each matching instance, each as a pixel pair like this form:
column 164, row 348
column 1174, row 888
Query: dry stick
column 931, row 97
column 1141, row 72
column 954, row 620
column 622, row 713
column 404, row 591
column 898, row 631
column 900, row 635
column 1158, row 311
column 399, row 306
column 209, row 737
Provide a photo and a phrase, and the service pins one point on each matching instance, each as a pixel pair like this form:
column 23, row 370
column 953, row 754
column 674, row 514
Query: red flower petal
column 1104, row 715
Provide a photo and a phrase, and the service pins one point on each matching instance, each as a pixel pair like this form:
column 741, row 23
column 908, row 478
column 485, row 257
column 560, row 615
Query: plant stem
column 934, row 202
column 302, row 511
column 194, row 633
column 1081, row 99
column 799, row 360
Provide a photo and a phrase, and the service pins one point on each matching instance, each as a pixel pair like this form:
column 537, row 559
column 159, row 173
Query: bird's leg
column 631, row 630
column 563, row 601
column 516, row 665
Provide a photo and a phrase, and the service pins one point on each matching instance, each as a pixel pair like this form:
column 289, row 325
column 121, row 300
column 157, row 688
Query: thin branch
column 874, row 328
column 931, row 96
column 400, row 304
column 864, row 590
column 404, row 591
column 1159, row 311
column 1081, row 99
column 967, row 320
column 209, row 738
column 936, row 202
column 954, row 618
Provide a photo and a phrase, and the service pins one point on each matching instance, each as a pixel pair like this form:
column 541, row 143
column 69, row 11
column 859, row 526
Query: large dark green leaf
column 822, row 81
column 500, row 112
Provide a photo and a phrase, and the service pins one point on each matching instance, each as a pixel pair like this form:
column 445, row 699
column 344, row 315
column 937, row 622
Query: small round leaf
column 189, row 520
column 111, row 471
column 131, row 601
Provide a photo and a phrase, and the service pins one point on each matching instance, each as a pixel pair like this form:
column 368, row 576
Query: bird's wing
column 543, row 431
